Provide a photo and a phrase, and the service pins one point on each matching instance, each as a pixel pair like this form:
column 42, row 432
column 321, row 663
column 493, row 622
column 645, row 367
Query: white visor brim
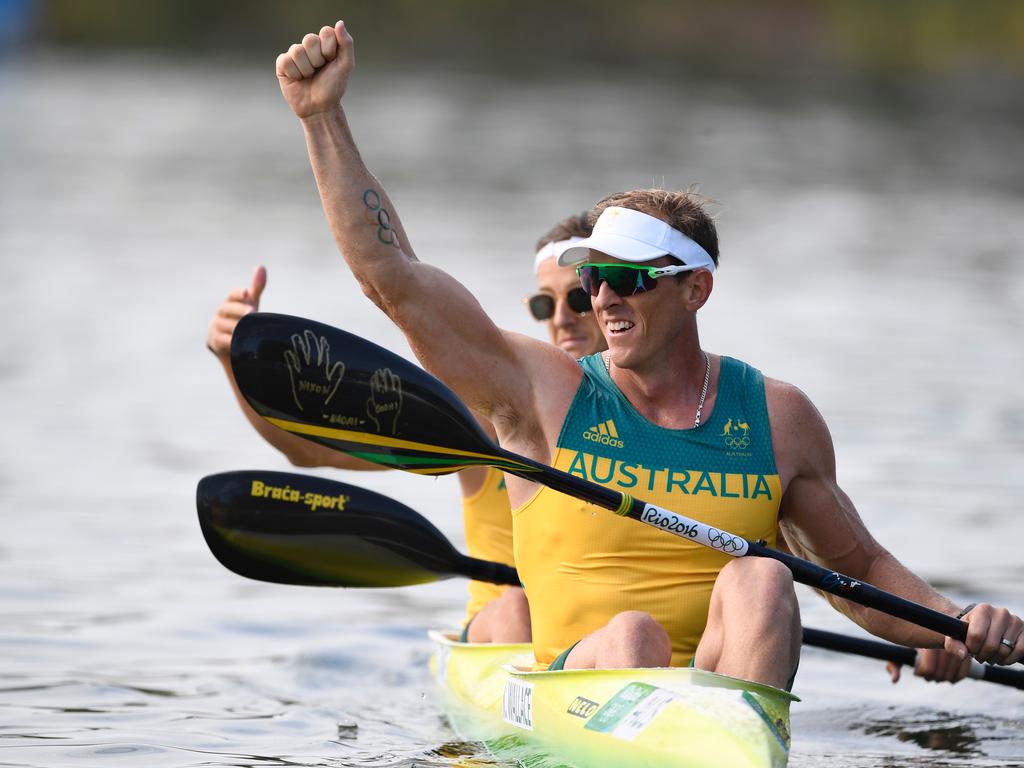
column 629, row 235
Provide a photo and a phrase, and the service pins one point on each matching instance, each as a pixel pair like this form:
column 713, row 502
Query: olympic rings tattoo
column 377, row 215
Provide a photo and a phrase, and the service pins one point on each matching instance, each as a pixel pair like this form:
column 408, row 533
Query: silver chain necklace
column 606, row 356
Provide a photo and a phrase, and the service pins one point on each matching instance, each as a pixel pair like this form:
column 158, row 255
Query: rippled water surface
column 871, row 254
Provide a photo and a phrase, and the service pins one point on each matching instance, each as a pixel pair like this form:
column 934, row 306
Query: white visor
column 634, row 236
column 553, row 251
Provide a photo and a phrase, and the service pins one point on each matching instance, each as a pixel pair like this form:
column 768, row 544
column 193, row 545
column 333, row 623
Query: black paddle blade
column 339, row 390
column 296, row 529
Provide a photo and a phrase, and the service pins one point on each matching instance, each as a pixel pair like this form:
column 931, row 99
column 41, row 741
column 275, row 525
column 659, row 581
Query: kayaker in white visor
column 656, row 416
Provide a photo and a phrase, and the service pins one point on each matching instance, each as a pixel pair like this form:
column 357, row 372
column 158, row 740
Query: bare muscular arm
column 820, row 523
column 449, row 332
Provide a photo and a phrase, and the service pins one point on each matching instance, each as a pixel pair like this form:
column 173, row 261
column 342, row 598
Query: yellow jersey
column 581, row 564
column 487, row 517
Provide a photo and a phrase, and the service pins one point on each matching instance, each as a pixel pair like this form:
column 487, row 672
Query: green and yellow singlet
column 581, row 565
column 487, row 519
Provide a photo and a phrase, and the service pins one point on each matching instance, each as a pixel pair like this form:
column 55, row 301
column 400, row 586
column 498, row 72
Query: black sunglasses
column 542, row 305
column 625, row 279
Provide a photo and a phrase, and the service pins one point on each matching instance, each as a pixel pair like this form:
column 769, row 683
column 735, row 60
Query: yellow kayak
column 687, row 718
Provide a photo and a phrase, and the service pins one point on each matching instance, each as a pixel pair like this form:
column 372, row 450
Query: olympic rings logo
column 724, row 541
column 737, row 442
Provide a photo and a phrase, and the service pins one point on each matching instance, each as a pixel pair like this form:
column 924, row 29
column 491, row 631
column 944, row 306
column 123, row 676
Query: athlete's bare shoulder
column 788, row 404
column 800, row 436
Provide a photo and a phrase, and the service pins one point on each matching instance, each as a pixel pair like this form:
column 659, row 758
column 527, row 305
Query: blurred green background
column 859, row 36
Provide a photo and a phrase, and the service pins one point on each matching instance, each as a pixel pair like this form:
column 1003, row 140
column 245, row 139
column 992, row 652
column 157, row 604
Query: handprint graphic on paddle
column 314, row 377
column 385, row 403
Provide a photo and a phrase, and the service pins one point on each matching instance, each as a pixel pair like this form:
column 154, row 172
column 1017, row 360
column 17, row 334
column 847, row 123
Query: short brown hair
column 579, row 225
column 684, row 211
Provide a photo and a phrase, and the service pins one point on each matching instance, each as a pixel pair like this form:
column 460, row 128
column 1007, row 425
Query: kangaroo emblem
column 727, row 429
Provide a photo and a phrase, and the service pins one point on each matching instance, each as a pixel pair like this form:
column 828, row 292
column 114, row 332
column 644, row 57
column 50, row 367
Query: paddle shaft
column 484, row 570
column 735, row 546
column 875, row 649
column 496, row 573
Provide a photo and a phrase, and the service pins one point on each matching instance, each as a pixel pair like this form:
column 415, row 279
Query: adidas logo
column 605, row 434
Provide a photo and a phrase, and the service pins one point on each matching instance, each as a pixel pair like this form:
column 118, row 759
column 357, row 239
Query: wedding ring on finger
column 1007, row 643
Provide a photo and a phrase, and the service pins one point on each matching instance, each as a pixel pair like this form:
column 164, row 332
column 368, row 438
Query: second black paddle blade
column 296, row 529
column 342, row 391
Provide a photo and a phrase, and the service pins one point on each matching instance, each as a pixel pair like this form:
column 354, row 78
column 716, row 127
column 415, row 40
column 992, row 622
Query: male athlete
column 648, row 417
column 494, row 613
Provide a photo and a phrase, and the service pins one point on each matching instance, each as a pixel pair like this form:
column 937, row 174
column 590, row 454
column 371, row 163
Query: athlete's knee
column 640, row 630
column 757, row 576
column 635, row 623
column 515, row 599
column 514, row 606
column 506, row 619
